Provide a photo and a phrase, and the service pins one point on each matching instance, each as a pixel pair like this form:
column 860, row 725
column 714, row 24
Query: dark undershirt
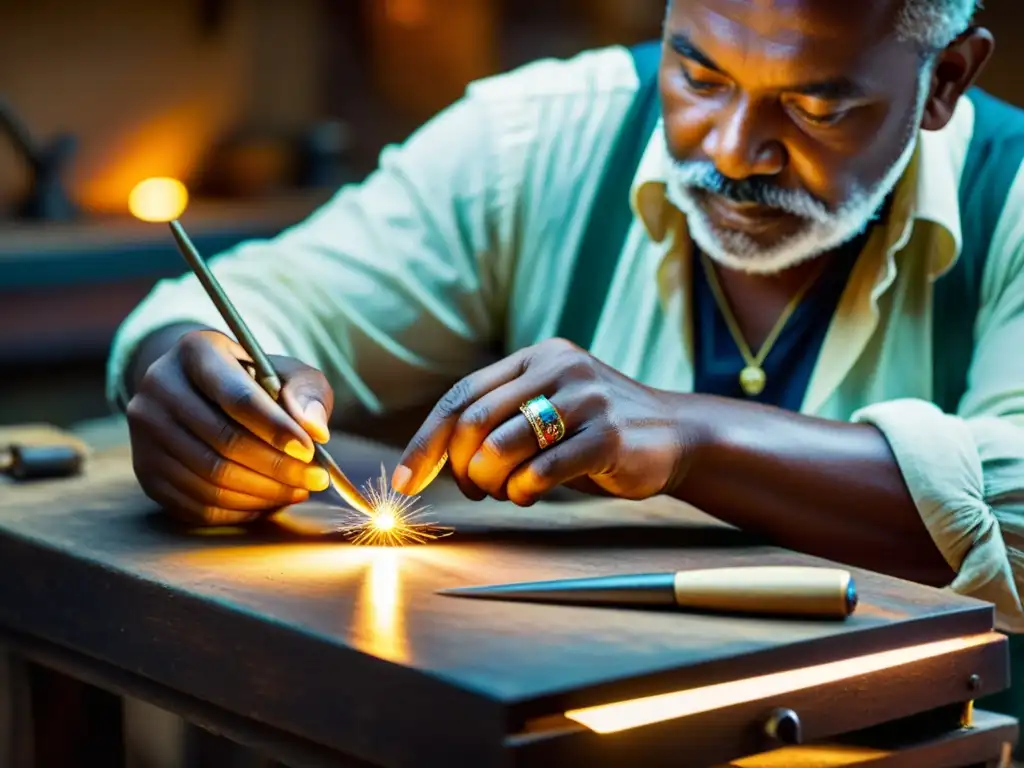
column 790, row 363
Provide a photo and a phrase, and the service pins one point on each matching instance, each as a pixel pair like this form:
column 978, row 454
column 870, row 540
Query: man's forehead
column 788, row 19
column 834, row 35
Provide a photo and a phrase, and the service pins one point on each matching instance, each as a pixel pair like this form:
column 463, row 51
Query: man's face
column 789, row 122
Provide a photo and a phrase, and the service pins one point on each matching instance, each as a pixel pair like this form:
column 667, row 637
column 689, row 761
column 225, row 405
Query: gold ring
column 545, row 420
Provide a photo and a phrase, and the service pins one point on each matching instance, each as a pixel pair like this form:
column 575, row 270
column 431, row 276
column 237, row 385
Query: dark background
column 229, row 96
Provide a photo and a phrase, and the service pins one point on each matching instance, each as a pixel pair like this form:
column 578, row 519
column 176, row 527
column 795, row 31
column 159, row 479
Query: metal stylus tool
column 266, row 376
column 766, row 590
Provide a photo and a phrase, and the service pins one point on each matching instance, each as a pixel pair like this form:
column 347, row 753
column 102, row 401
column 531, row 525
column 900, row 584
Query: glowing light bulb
column 158, row 199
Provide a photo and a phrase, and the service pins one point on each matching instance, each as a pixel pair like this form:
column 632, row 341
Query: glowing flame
column 394, row 520
column 384, row 520
column 158, row 199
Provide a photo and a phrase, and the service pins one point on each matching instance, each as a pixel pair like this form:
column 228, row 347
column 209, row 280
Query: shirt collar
column 928, row 192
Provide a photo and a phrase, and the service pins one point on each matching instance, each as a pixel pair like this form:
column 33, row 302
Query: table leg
column 208, row 750
column 15, row 706
column 59, row 722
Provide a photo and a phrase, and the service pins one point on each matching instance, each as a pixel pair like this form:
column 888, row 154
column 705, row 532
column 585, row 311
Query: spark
column 394, row 520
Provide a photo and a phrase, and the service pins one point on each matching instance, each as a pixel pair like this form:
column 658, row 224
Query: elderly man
column 773, row 267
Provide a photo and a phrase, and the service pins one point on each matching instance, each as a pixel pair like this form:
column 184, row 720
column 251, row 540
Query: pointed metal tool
column 760, row 590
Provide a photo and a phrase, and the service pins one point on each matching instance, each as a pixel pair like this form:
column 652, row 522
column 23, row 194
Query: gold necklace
column 753, row 378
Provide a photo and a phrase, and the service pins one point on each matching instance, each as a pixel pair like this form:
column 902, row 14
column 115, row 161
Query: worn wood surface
column 48, row 719
column 349, row 647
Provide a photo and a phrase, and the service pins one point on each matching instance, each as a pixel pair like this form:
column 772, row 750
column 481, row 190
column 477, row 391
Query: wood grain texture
column 351, row 648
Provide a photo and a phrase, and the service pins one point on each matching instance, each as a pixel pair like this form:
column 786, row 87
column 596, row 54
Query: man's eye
column 820, row 120
column 696, row 84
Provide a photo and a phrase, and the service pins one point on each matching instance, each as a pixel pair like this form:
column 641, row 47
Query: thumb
column 307, row 396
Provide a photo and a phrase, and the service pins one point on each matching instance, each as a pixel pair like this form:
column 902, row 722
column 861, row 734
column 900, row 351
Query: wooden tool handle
column 770, row 590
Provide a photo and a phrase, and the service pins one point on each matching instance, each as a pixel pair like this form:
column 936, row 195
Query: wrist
column 697, row 436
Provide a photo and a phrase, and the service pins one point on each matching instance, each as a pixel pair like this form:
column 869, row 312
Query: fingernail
column 298, row 451
column 435, row 471
column 400, row 478
column 316, row 416
column 317, row 479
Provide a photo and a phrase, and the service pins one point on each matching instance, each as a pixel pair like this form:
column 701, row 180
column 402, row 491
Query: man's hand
column 620, row 435
column 211, row 446
column 827, row 488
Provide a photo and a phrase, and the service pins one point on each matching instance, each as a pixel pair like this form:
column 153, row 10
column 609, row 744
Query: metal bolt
column 974, row 682
column 784, row 725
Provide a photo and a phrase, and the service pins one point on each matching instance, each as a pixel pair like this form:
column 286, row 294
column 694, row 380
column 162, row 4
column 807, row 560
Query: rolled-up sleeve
column 966, row 471
column 389, row 288
column 967, row 479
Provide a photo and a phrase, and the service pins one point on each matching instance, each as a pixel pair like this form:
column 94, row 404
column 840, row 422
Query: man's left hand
column 626, row 438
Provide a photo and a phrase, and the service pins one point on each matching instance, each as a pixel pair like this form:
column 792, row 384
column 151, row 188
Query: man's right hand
column 211, row 446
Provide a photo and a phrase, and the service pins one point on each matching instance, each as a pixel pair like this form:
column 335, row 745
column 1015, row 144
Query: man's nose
column 741, row 142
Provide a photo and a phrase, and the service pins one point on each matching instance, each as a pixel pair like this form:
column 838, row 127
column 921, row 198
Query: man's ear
column 954, row 72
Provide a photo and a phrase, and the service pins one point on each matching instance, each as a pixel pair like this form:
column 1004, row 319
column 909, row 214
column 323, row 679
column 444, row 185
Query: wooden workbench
column 285, row 638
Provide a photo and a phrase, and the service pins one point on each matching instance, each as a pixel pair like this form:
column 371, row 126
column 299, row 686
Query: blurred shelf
column 36, row 256
column 66, row 287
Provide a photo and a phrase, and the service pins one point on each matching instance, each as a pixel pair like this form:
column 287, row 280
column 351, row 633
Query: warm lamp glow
column 624, row 715
column 407, row 13
column 158, row 199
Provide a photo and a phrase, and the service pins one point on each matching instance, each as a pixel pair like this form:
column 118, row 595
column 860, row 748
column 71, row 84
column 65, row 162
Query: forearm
column 830, row 489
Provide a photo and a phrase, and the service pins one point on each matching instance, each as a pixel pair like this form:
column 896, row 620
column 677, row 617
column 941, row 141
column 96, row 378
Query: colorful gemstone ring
column 544, row 418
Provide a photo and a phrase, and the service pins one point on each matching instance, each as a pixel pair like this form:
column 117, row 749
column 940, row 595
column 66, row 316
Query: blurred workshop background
column 113, row 112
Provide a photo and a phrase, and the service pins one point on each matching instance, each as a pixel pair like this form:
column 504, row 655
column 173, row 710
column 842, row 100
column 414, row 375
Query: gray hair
column 934, row 24
column 931, row 24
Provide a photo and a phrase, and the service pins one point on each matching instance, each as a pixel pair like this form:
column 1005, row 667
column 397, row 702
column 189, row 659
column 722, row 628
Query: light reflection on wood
column 821, row 755
column 379, row 619
column 364, row 584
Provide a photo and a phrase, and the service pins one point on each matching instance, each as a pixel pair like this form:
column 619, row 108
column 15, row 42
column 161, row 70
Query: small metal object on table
column 39, row 452
column 40, row 462
column 288, row 640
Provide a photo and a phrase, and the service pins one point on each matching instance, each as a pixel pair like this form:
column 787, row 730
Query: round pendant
column 752, row 380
